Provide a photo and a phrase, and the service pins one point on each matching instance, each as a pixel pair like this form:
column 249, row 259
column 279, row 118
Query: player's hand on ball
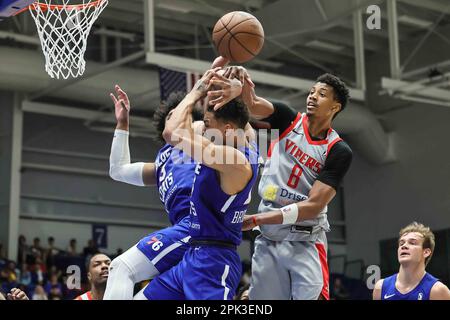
column 229, row 89
column 240, row 73
column 121, row 105
column 248, row 94
column 249, row 222
column 220, row 62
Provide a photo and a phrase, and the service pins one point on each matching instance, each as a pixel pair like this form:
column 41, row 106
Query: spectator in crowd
column 90, row 249
column 37, row 272
column 339, row 292
column 10, row 272
column 39, row 293
column 3, row 259
column 53, row 270
column 53, row 288
column 22, row 250
column 51, row 252
column 72, row 249
column 25, row 275
column 36, row 249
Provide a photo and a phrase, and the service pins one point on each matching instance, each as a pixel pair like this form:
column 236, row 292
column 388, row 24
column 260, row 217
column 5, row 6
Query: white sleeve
column 120, row 168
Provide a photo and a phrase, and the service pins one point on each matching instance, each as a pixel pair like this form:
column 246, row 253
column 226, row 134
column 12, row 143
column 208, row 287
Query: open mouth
column 404, row 254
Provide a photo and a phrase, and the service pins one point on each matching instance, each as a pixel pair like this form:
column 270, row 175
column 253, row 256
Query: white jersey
column 85, row 296
column 293, row 165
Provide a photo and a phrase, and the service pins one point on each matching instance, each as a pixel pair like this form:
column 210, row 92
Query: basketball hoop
column 63, row 30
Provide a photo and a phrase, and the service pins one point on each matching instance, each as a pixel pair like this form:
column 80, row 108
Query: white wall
column 381, row 200
column 118, row 237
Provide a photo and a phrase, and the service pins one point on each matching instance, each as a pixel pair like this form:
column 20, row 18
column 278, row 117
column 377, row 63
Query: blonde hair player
column 412, row 282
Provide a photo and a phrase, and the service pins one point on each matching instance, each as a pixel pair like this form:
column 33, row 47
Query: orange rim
column 45, row 7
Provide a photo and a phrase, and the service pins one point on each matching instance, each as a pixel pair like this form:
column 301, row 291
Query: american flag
column 172, row 81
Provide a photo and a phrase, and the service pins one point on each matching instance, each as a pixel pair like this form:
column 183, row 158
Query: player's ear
column 228, row 130
column 426, row 252
column 89, row 276
column 337, row 106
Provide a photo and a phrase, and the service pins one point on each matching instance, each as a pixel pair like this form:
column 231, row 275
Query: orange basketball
column 238, row 36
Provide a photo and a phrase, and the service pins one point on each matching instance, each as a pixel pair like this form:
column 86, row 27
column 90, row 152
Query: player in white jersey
column 304, row 168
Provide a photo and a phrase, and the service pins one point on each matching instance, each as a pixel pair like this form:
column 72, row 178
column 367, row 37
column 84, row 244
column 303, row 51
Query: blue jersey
column 216, row 215
column 420, row 292
column 175, row 175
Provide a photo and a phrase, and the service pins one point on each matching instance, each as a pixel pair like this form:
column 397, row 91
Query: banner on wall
column 100, row 235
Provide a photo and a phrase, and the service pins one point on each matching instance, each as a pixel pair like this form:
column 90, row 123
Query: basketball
column 238, row 36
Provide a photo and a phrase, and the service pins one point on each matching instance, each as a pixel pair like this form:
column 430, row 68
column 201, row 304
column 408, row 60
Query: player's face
column 99, row 269
column 410, row 249
column 215, row 129
column 320, row 102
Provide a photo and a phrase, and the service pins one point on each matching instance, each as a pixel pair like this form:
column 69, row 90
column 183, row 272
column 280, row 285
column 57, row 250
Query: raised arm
column 179, row 133
column 120, row 166
column 259, row 108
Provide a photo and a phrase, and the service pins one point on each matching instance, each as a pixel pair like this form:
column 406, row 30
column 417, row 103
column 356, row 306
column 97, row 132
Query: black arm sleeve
column 336, row 165
column 282, row 116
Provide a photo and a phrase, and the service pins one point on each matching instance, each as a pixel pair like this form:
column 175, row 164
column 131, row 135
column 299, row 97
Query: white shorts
column 285, row 270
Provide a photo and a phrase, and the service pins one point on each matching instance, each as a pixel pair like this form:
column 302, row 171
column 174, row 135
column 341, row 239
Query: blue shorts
column 205, row 273
column 165, row 248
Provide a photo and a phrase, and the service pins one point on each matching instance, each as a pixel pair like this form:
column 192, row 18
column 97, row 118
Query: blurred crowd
column 41, row 270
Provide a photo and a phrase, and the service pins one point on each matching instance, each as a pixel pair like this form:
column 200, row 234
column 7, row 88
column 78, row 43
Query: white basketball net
column 63, row 31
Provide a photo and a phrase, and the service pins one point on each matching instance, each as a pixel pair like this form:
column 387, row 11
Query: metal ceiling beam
column 428, row 4
column 424, row 38
column 439, row 65
column 394, row 48
column 149, row 25
column 360, row 64
column 407, row 88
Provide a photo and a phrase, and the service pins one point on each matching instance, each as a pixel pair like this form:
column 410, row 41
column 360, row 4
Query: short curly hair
column 234, row 111
column 341, row 92
column 172, row 101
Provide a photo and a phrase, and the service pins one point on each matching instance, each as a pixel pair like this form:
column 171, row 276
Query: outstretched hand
column 202, row 86
column 121, row 105
column 240, row 73
column 229, row 89
column 220, row 62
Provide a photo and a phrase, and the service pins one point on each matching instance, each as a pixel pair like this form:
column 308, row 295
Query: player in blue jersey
column 173, row 174
column 225, row 174
column 412, row 282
